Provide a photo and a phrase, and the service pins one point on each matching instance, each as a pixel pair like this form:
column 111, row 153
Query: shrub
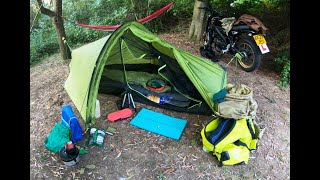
column 42, row 44
column 284, row 61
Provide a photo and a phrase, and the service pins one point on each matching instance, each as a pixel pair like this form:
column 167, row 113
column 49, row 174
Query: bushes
column 281, row 44
column 42, row 44
column 38, row 51
column 78, row 35
column 43, row 39
column 284, row 62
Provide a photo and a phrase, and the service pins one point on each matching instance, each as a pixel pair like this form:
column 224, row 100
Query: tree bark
column 62, row 38
column 197, row 25
column 58, row 23
column 44, row 10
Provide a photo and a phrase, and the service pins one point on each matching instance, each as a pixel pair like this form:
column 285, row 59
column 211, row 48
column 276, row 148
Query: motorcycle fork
column 219, row 33
column 208, row 39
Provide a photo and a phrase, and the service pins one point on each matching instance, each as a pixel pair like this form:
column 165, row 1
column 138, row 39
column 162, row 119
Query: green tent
column 132, row 55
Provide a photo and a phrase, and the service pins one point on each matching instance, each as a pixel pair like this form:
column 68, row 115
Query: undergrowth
column 284, row 62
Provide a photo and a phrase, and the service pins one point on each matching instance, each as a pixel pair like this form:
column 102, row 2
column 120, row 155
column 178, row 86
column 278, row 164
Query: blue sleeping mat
column 159, row 123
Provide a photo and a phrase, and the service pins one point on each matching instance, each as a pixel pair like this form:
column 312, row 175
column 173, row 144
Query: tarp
column 88, row 62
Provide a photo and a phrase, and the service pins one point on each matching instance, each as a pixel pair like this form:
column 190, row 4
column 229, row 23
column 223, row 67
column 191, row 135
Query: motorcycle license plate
column 259, row 39
column 262, row 43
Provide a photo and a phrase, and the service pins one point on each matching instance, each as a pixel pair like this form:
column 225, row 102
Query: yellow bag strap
column 254, row 136
column 240, row 143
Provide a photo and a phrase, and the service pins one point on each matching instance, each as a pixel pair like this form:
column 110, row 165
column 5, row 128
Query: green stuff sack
column 57, row 138
column 230, row 140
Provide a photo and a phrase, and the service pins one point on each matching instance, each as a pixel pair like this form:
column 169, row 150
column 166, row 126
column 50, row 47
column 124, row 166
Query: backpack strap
column 240, row 143
column 253, row 135
column 253, row 144
column 223, row 157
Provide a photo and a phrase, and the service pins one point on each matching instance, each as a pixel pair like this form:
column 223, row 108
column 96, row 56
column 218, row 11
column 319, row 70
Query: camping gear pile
column 233, row 134
column 136, row 65
column 63, row 137
column 67, row 130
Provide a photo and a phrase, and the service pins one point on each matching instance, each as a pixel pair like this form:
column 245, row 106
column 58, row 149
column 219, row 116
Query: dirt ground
column 133, row 153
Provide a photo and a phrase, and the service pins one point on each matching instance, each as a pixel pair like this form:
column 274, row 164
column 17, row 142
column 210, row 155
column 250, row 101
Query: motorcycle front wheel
column 251, row 54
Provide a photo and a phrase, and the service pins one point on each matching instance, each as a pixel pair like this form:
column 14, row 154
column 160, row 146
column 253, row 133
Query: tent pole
column 127, row 93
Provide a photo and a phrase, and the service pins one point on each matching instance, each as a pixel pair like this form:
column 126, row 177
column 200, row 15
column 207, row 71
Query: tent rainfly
column 130, row 57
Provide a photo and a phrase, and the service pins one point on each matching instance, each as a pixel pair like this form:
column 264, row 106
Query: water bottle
column 98, row 114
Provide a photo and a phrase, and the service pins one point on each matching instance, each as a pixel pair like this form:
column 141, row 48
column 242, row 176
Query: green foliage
column 43, row 40
column 281, row 43
column 183, row 9
column 284, row 61
column 256, row 3
column 78, row 35
column 281, row 40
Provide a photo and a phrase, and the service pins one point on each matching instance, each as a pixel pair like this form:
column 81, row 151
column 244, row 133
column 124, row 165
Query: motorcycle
column 242, row 38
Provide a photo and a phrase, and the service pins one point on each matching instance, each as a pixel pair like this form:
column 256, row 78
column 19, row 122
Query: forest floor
column 133, row 153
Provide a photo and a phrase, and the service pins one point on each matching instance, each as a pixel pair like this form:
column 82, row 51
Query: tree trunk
column 197, row 25
column 58, row 23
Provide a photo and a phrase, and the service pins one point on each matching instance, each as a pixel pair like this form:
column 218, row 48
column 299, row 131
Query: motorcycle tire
column 251, row 52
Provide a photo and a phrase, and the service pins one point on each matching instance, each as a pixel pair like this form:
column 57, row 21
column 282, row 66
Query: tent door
column 195, row 101
column 167, row 79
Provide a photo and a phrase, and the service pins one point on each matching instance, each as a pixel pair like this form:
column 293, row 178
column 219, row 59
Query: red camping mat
column 121, row 114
